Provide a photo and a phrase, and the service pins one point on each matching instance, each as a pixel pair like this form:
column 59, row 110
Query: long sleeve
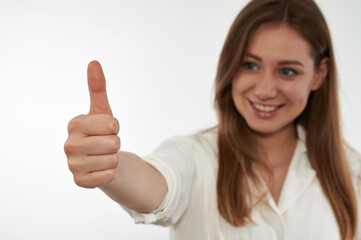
column 174, row 159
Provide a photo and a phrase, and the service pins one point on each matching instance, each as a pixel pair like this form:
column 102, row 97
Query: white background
column 159, row 58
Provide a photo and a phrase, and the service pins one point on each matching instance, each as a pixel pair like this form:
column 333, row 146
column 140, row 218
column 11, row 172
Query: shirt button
column 278, row 233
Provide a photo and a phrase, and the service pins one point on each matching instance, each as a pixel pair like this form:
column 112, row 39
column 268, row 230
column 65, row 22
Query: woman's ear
column 320, row 74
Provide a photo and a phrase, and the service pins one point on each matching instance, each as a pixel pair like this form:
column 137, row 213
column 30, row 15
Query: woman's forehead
column 280, row 41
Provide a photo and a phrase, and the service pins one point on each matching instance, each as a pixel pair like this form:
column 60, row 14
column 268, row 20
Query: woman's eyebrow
column 253, row 56
column 283, row 62
column 288, row 62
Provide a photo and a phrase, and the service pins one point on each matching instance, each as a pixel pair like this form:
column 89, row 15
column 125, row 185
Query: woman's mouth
column 265, row 111
column 264, row 108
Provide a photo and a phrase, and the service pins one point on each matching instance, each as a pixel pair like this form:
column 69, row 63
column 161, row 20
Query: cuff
column 162, row 214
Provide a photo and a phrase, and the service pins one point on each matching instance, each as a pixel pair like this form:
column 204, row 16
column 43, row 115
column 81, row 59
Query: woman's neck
column 277, row 148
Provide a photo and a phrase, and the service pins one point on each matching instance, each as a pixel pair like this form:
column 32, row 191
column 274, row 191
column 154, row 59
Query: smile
column 265, row 111
column 264, row 108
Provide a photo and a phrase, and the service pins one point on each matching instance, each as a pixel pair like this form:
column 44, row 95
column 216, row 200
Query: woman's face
column 275, row 79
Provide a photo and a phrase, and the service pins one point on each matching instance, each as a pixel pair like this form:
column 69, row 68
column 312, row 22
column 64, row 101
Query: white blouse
column 189, row 165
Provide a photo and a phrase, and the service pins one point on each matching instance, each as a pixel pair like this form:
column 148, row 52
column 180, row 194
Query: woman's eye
column 288, row 72
column 250, row 66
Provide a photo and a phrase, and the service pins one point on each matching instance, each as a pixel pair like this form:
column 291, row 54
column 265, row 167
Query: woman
column 275, row 167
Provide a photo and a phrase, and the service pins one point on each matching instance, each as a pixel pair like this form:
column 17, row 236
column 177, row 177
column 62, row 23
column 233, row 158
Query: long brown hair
column 236, row 145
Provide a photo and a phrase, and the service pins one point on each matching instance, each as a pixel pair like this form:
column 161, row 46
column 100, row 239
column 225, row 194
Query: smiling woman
column 276, row 87
column 274, row 167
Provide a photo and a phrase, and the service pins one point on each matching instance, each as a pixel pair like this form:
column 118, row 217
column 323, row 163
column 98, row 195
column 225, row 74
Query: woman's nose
column 266, row 87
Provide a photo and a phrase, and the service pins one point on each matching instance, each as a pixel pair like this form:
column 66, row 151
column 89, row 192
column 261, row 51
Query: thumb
column 98, row 95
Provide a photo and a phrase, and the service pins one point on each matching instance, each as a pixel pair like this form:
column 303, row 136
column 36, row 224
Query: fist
column 92, row 147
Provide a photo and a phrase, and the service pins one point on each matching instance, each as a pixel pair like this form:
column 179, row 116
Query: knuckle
column 70, row 147
column 74, row 165
column 79, row 181
column 82, row 181
column 114, row 160
column 114, row 125
column 115, row 143
column 72, row 168
column 75, row 123
column 110, row 175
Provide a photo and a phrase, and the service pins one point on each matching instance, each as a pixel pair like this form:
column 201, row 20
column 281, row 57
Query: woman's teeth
column 264, row 108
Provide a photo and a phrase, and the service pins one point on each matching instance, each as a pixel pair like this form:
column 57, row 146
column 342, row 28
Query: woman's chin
column 268, row 129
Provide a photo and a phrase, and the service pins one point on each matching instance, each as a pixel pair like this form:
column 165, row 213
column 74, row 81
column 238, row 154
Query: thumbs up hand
column 92, row 145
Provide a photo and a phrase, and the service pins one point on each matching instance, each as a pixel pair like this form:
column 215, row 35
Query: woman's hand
column 92, row 149
column 92, row 146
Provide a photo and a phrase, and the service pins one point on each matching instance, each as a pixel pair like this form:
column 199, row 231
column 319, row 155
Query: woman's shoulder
column 207, row 136
column 201, row 141
column 202, row 138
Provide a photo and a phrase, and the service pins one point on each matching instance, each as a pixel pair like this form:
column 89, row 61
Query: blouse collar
column 299, row 176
